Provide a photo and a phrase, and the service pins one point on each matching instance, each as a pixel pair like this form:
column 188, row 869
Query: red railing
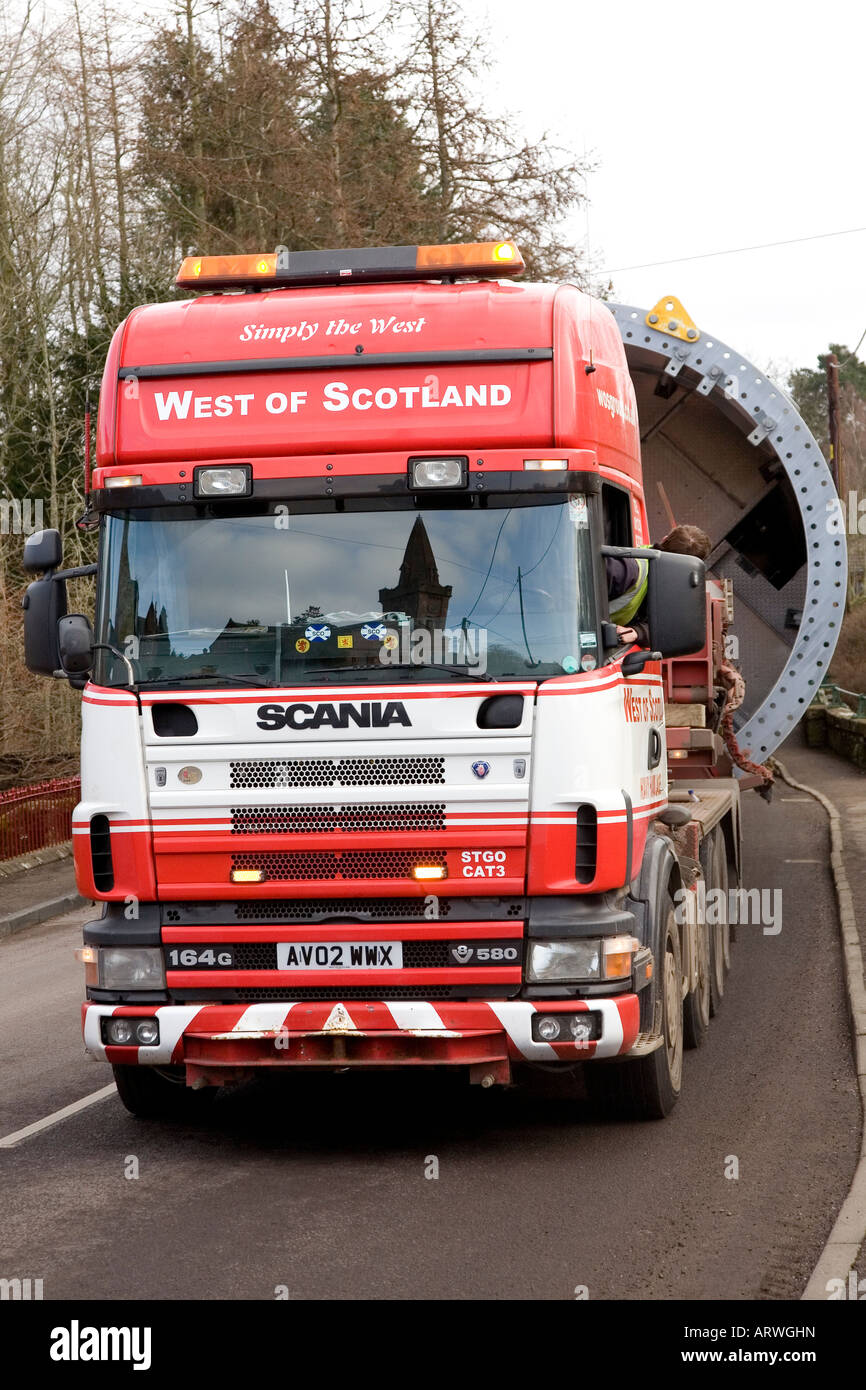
column 33, row 817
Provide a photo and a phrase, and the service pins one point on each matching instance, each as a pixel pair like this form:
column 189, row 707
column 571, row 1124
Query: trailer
column 376, row 771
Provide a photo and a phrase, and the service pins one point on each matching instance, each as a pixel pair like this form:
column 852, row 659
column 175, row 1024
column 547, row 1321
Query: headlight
column 586, row 959
column 131, row 967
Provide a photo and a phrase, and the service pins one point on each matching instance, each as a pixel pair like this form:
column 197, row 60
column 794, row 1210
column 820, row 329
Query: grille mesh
column 338, row 864
column 369, row 909
column 356, row 992
column 338, row 772
column 305, row 820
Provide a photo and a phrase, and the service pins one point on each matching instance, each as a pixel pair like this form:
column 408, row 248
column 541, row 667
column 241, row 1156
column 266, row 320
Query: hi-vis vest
column 624, row 608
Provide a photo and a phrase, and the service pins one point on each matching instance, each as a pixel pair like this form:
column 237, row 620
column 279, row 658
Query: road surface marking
column 802, row 861
column 10, row 1140
column 795, row 798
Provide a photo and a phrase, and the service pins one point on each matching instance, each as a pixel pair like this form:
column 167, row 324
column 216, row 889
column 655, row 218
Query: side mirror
column 75, row 642
column 677, row 604
column 44, row 605
column 42, row 551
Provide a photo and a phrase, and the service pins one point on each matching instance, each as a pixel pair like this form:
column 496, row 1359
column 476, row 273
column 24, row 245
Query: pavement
column 845, row 786
column 326, row 1186
column 32, row 895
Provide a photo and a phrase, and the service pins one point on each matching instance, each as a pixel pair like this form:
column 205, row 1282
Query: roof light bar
column 369, row 264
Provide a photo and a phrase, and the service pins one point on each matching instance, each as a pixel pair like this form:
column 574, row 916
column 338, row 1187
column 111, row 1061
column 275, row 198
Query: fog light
column 223, row 482
column 147, row 1032
column 427, row 871
column 247, row 875
column 548, row 1028
column 124, row 480
column 119, row 1031
column 439, row 472
column 545, row 465
column 581, row 1027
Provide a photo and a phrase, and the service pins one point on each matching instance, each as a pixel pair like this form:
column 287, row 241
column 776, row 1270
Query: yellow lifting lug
column 669, row 316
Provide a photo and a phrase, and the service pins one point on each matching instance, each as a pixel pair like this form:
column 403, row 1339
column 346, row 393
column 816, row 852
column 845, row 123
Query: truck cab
column 369, row 777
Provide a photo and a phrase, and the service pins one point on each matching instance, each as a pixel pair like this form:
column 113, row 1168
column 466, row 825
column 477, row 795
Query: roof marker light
column 369, row 264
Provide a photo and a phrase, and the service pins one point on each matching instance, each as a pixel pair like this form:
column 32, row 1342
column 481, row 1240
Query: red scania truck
column 369, row 777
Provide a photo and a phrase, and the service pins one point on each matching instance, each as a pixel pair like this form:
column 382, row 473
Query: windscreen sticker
column 579, row 513
column 302, row 645
column 587, row 639
column 317, row 632
column 345, row 641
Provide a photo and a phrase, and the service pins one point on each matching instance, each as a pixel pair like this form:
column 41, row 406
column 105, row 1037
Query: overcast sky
column 714, row 126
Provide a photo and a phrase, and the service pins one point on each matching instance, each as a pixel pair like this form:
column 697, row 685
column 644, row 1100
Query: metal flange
column 764, row 414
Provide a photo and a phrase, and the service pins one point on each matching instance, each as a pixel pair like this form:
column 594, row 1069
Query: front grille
column 306, row 820
column 338, row 772
column 356, row 992
column 338, row 864
column 363, row 909
column 368, row 993
column 317, row 909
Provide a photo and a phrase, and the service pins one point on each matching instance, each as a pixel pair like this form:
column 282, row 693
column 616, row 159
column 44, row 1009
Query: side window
column 616, row 511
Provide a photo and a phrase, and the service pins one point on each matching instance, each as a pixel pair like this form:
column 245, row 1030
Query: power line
column 854, row 351
column 734, row 251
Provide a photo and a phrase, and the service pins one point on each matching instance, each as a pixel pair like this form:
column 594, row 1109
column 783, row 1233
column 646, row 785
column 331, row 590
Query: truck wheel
column 154, row 1093
column 720, row 932
column 648, row 1088
column 696, row 1005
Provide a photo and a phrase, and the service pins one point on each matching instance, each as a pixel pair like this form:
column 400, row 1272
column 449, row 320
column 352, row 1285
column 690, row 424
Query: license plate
column 339, row 955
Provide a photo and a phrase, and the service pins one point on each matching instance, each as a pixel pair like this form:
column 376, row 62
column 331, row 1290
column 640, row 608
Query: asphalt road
column 319, row 1185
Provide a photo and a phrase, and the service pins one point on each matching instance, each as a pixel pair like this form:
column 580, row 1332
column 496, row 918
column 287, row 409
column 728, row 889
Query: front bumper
column 217, row 1042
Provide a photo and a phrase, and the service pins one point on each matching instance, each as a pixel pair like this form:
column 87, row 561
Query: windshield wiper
column 460, row 673
column 208, row 676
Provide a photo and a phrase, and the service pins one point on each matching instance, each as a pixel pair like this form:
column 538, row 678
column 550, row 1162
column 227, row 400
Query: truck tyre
column 696, row 1005
column 720, row 932
column 648, row 1088
column 154, row 1093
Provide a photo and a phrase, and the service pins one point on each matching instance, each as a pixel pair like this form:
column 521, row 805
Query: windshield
column 316, row 588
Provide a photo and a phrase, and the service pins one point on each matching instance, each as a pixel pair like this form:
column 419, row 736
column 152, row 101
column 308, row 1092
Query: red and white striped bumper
column 226, row 1036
